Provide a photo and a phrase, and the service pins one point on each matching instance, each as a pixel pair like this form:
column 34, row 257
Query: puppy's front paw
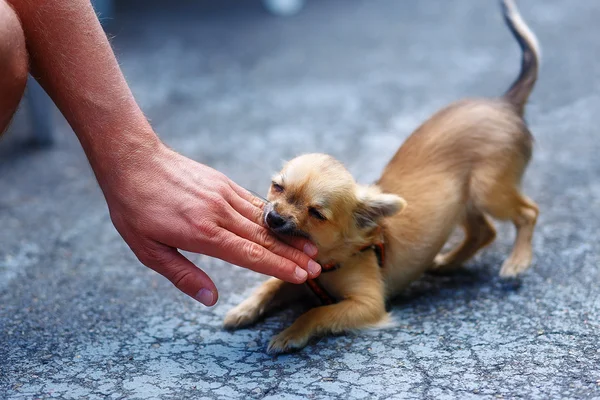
column 287, row 341
column 241, row 316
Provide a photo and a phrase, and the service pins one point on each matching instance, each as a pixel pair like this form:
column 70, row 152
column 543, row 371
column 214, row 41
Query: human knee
column 13, row 54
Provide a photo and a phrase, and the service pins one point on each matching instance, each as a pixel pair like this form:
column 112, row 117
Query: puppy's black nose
column 275, row 220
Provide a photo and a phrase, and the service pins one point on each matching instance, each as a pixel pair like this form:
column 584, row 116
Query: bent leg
column 13, row 64
column 524, row 219
column 354, row 312
column 479, row 232
column 269, row 295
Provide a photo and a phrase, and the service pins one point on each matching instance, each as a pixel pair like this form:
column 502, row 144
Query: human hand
column 159, row 201
column 162, row 201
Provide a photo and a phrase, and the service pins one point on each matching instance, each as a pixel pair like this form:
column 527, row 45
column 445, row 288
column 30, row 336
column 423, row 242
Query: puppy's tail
column 521, row 88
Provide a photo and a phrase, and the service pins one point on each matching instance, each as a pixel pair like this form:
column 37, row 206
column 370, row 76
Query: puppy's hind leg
column 269, row 295
column 479, row 232
column 504, row 202
column 524, row 218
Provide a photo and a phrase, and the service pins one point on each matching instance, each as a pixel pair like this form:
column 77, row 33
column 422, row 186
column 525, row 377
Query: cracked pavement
column 242, row 91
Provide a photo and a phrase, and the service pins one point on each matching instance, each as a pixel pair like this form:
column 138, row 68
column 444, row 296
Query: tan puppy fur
column 462, row 166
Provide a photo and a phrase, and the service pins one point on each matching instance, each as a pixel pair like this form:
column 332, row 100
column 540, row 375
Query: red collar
column 321, row 293
column 379, row 249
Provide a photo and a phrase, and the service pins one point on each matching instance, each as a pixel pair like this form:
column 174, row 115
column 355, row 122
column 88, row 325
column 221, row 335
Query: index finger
column 249, row 195
column 251, row 207
column 248, row 254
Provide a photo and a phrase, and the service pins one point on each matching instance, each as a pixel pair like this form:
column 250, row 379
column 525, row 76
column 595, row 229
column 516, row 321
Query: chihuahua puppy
column 461, row 167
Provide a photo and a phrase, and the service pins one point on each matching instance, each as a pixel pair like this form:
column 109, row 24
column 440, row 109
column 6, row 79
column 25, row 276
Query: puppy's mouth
column 291, row 232
column 280, row 225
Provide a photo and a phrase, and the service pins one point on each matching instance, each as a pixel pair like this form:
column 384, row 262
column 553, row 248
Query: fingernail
column 314, row 268
column 310, row 249
column 300, row 274
column 205, row 297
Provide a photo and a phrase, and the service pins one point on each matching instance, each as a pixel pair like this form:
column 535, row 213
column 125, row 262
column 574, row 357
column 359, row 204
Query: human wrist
column 123, row 150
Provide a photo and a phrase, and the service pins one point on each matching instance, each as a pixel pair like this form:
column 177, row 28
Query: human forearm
column 159, row 201
column 72, row 58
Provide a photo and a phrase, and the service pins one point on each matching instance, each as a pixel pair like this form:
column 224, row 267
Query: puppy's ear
column 374, row 205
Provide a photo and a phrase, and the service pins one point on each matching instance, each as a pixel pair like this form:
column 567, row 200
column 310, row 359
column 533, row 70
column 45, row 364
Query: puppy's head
column 316, row 197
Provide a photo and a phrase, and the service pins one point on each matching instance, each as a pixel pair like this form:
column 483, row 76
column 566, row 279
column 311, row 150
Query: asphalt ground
column 241, row 90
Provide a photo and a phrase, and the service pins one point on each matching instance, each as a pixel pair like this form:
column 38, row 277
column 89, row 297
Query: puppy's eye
column 277, row 187
column 316, row 214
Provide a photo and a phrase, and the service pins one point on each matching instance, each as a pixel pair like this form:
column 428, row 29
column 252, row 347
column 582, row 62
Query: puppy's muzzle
column 279, row 223
column 275, row 221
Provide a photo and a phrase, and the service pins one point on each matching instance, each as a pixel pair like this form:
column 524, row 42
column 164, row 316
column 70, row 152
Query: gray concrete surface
column 243, row 91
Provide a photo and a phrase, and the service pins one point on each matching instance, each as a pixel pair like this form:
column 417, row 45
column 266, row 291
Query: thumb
column 186, row 277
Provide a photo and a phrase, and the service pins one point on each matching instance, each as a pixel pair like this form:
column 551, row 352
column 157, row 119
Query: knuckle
column 255, row 215
column 151, row 257
column 255, row 253
column 258, row 203
column 266, row 239
column 224, row 188
column 220, row 202
column 286, row 271
column 216, row 200
column 145, row 258
column 221, row 185
column 220, row 178
column 207, row 231
column 181, row 278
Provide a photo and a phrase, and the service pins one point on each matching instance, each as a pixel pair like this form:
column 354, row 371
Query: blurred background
column 245, row 85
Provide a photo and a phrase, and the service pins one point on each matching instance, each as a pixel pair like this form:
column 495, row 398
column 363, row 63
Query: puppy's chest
column 406, row 262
